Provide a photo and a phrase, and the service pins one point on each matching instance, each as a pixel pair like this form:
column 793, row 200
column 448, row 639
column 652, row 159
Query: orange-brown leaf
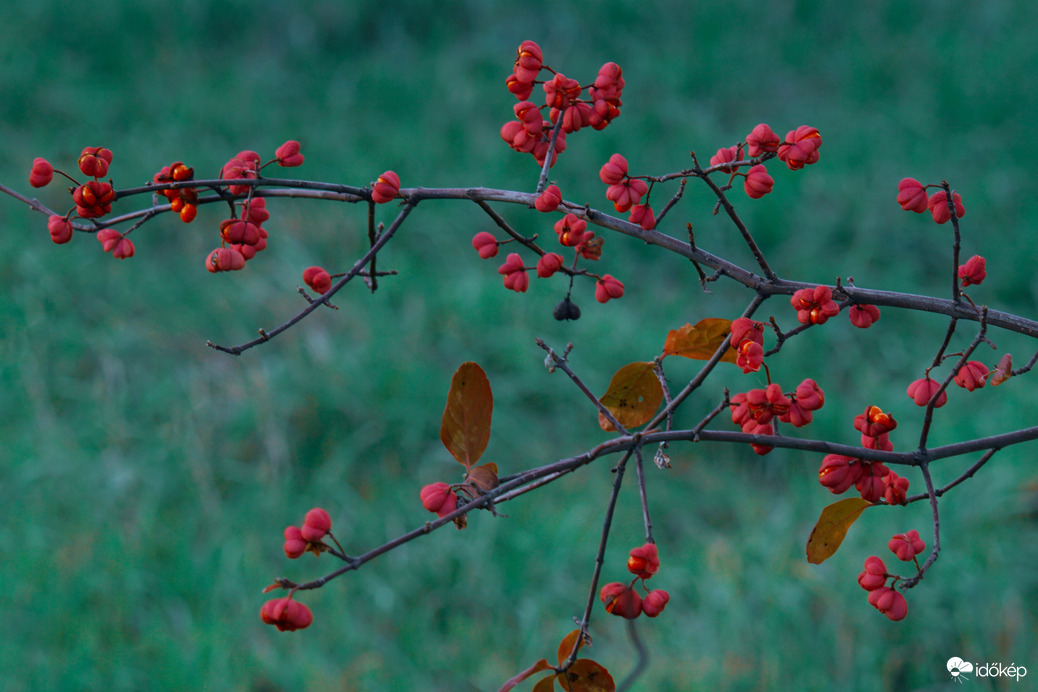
column 832, row 526
column 532, row 670
column 587, row 676
column 633, row 396
column 484, row 477
column 1003, row 371
column 566, row 645
column 700, row 341
column 465, row 428
column 545, row 684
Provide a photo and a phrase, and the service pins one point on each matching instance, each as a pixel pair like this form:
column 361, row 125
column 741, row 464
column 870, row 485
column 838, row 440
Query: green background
column 145, row 480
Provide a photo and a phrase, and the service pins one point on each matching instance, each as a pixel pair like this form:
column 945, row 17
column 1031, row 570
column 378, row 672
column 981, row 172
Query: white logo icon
column 957, row 668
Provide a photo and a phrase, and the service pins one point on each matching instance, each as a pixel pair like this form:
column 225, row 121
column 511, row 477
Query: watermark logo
column 960, row 670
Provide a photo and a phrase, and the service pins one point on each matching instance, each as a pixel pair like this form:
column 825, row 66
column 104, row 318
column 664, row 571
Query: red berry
column 922, row 390
column 385, row 188
column 255, row 210
column 809, row 395
column 906, row 545
column 762, row 139
column 621, row 600
column 889, row 602
column 315, row 525
column 224, row 259
column 626, row 193
column 838, row 472
column 654, row 602
column 239, row 168
column 614, row 170
column 725, row 156
column 439, row 498
column 519, row 88
column 60, row 229
column 972, row 375
column 644, row 561
column 560, row 91
column 938, row 204
column 93, row 199
column 863, row 316
column 973, row 272
column 548, row 200
column 548, row 264
column 896, row 489
column 800, row 147
column 485, row 244
column 871, row 484
column 874, row 575
column 288, row 154
column 571, row 230
column 911, row 195
column 41, row 174
column 528, row 61
column 295, row 544
column 874, row 422
column 643, row 215
column 286, row 614
column 318, row 279
column 93, row 161
column 745, row 329
column 114, row 242
column 814, row 305
column 608, row 288
column 758, row 182
column 515, row 276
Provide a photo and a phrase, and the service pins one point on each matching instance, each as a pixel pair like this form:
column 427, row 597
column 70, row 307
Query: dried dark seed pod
column 566, row 310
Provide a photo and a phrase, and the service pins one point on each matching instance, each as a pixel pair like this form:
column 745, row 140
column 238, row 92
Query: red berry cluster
column 816, row 306
column 748, row 341
column 242, row 235
column 285, row 613
column 623, row 600
column 799, row 148
column 182, row 201
column 571, row 232
column 972, row 375
column 874, row 577
column 871, row 478
column 92, row 199
column 911, row 195
column 754, row 411
column 298, row 540
column 530, row 133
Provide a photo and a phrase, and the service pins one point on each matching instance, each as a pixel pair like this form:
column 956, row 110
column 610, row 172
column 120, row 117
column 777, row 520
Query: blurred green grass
column 146, row 479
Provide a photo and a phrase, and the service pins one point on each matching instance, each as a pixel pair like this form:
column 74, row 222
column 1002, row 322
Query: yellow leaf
column 633, row 396
column 832, row 526
column 700, row 341
column 465, row 428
